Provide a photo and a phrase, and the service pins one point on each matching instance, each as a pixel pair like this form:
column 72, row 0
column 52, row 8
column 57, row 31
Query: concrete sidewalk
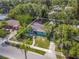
column 51, row 54
column 15, row 53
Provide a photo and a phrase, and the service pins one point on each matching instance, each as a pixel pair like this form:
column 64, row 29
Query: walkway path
column 51, row 54
column 38, row 48
column 52, row 46
column 33, row 41
column 8, row 37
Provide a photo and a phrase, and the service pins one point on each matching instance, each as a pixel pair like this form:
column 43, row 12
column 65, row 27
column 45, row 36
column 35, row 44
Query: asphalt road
column 14, row 53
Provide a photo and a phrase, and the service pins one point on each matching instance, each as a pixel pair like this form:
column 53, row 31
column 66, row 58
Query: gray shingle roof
column 13, row 23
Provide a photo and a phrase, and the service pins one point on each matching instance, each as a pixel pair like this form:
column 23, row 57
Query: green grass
column 42, row 42
column 27, row 40
column 20, row 30
column 3, row 33
column 2, row 57
column 29, row 49
column 60, row 57
column 37, row 51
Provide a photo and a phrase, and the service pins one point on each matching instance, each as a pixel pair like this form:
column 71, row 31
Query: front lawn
column 24, row 38
column 37, row 51
column 21, row 36
column 29, row 49
column 60, row 57
column 42, row 42
column 20, row 30
column 3, row 33
column 27, row 40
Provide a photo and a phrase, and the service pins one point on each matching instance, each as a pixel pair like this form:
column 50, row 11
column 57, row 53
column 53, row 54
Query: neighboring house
column 38, row 29
column 57, row 8
column 1, row 5
column 68, row 8
column 76, row 38
column 77, row 26
column 5, row 9
column 12, row 24
column 3, row 16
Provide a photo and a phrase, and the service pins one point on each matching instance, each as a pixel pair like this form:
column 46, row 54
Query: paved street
column 1, row 39
column 14, row 53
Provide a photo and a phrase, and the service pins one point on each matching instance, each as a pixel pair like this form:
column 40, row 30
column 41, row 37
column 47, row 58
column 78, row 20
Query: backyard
column 3, row 33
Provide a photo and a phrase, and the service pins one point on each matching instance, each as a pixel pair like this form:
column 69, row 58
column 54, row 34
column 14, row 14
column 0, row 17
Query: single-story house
column 38, row 27
column 12, row 24
column 57, row 8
